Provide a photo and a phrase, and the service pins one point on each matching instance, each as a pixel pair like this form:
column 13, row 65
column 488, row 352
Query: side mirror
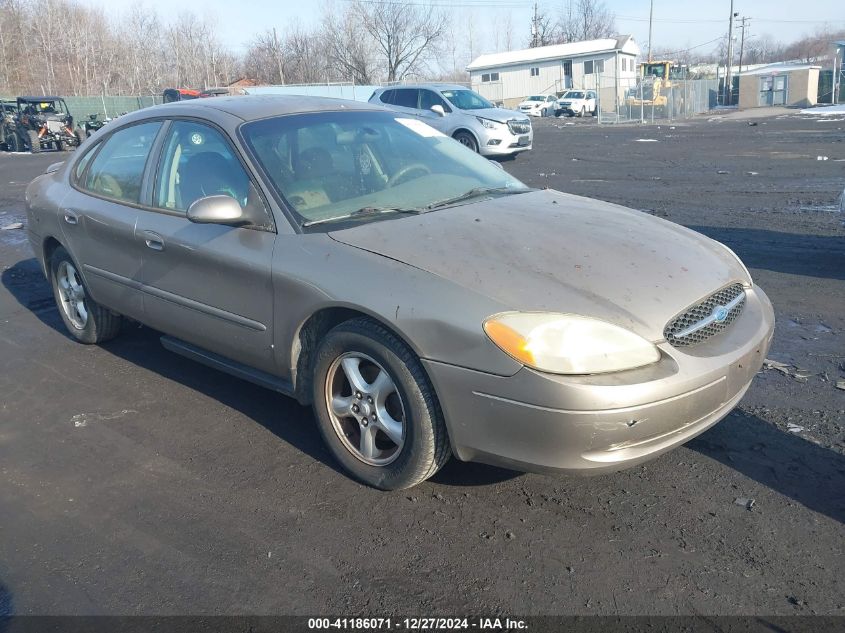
column 217, row 210
column 438, row 109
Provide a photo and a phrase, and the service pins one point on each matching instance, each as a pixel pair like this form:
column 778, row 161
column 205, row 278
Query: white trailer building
column 607, row 65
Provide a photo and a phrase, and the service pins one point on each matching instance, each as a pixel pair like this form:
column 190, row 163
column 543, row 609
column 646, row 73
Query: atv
column 8, row 112
column 43, row 122
column 87, row 128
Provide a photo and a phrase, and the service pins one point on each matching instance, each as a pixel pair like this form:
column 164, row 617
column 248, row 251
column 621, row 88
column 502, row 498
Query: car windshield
column 45, row 107
column 466, row 99
column 536, row 98
column 574, row 95
column 331, row 166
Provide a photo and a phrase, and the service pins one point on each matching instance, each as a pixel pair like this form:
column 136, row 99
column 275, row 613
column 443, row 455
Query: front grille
column 701, row 321
column 519, row 127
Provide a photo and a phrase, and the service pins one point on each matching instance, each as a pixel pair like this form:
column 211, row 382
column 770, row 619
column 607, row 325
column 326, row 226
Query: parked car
column 576, row 103
column 538, row 105
column 462, row 114
column 425, row 302
column 43, row 123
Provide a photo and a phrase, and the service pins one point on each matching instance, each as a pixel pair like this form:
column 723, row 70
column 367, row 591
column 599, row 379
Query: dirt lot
column 134, row 481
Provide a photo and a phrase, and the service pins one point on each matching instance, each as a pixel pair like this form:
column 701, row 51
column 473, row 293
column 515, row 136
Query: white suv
column 576, row 103
column 464, row 115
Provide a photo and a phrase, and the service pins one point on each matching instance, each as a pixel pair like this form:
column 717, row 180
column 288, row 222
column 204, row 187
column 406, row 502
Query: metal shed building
column 779, row 84
column 608, row 65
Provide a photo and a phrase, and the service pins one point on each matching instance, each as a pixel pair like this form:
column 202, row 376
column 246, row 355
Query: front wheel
column 86, row 320
column 466, row 139
column 581, row 113
column 376, row 408
column 34, row 141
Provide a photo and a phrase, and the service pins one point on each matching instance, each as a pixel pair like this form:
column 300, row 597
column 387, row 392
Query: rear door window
column 118, row 168
column 406, row 98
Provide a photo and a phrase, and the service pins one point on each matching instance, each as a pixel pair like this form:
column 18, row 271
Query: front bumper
column 501, row 142
column 533, row 421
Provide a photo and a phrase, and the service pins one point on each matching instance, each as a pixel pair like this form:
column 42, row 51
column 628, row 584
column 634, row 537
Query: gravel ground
column 136, row 482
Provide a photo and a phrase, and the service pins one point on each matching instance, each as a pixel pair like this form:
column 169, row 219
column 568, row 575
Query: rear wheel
column 376, row 408
column 34, row 141
column 467, row 139
column 86, row 320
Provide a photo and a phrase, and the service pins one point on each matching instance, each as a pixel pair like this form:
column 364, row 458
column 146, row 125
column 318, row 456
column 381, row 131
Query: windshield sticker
column 419, row 127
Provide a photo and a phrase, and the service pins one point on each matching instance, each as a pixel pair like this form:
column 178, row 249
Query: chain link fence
column 645, row 101
column 105, row 106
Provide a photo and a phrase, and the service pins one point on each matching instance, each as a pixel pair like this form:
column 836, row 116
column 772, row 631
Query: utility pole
column 728, row 78
column 650, row 17
column 742, row 41
column 535, row 27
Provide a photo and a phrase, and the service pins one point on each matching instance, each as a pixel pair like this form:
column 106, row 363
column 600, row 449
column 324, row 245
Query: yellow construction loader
column 658, row 90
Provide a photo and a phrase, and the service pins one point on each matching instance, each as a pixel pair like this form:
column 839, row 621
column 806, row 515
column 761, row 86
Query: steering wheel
column 407, row 169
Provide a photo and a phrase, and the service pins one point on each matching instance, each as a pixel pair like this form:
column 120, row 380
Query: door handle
column 153, row 240
column 71, row 217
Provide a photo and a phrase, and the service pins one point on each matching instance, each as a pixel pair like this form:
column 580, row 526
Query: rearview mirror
column 438, row 109
column 217, row 210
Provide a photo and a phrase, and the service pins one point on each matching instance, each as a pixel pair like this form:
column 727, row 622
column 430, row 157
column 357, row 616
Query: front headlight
column 490, row 125
column 568, row 343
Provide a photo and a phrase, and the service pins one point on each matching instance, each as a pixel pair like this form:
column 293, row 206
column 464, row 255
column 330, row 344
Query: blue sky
column 678, row 24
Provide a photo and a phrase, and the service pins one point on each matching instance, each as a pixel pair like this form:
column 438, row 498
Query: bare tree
column 348, row 49
column 404, row 34
column 544, row 30
column 586, row 20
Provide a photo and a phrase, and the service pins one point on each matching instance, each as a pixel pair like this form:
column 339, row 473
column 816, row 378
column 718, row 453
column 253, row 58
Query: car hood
column 533, row 104
column 497, row 114
column 550, row 251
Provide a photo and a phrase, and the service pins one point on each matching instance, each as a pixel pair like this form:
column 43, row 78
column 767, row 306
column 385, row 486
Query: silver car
column 426, row 303
column 462, row 114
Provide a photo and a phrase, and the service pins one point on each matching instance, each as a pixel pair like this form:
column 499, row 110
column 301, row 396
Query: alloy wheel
column 72, row 295
column 365, row 408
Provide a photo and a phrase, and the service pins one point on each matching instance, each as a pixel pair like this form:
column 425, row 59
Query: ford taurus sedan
column 426, row 303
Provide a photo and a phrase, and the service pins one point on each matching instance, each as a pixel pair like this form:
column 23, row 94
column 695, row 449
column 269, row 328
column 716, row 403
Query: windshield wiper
column 363, row 211
column 476, row 192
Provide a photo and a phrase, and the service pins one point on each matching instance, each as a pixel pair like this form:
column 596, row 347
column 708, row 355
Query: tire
column 466, row 139
column 100, row 324
column 34, row 141
column 13, row 142
column 595, row 111
column 81, row 135
column 60, row 146
column 373, row 351
column 582, row 112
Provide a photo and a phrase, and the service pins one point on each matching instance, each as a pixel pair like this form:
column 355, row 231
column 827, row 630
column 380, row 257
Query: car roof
column 436, row 86
column 251, row 107
column 39, row 99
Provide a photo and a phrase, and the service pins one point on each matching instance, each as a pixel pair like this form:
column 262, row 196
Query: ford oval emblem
column 720, row 313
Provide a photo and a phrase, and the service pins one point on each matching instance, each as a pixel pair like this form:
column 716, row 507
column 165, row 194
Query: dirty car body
column 426, row 307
